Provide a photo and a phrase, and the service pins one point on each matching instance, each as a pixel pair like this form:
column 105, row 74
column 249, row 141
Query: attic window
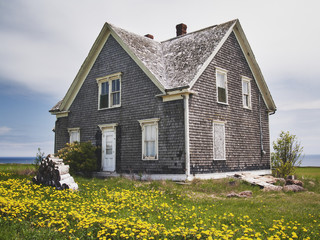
column 246, row 92
column 109, row 91
column 221, row 82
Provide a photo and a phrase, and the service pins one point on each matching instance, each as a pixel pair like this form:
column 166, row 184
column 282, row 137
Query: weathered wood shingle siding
column 138, row 102
column 242, row 128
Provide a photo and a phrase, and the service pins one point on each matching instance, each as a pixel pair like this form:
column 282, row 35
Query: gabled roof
column 175, row 63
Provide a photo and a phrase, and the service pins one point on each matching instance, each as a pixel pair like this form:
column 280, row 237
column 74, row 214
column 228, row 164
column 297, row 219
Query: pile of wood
column 53, row 172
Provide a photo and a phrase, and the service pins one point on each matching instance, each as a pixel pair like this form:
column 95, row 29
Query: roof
column 175, row 63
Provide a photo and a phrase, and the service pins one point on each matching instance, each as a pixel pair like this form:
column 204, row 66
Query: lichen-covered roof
column 175, row 62
column 185, row 55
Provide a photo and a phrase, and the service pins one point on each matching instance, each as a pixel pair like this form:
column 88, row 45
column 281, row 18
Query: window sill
column 222, row 103
column 219, row 159
column 117, row 106
column 247, row 108
column 149, row 159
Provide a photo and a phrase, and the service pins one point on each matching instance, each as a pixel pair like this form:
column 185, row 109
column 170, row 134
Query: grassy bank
column 125, row 209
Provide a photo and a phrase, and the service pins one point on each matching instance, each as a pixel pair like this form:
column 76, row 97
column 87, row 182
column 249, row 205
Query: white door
column 108, row 162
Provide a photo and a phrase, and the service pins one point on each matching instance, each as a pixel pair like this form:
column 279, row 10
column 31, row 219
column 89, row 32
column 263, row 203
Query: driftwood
column 53, row 172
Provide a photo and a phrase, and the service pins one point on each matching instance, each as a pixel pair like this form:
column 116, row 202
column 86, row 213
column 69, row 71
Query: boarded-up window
column 218, row 141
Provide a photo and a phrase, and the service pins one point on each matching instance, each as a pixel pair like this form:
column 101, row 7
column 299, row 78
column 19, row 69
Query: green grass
column 154, row 209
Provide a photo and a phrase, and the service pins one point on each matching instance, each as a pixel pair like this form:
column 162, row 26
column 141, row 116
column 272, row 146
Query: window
column 219, row 152
column 246, row 92
column 222, row 90
column 74, row 134
column 149, row 129
column 109, row 91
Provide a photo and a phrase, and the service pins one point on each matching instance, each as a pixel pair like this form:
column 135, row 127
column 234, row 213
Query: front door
column 108, row 162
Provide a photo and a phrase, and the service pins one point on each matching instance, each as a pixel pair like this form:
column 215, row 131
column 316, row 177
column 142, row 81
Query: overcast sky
column 44, row 42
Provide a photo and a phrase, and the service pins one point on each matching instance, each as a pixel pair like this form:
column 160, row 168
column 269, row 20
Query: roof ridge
column 200, row 30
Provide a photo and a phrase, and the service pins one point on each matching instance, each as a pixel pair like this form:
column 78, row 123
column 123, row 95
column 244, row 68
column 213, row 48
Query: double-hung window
column 219, row 152
column 246, row 92
column 74, row 134
column 149, row 129
column 109, row 91
column 222, row 89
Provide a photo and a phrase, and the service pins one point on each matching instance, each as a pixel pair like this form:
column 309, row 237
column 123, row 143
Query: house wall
column 138, row 102
column 242, row 127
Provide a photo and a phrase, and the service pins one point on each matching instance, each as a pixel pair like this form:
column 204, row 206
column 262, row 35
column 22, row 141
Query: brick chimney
column 149, row 36
column 181, row 29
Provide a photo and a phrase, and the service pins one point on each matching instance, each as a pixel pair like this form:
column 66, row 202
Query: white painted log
column 64, row 176
column 63, row 169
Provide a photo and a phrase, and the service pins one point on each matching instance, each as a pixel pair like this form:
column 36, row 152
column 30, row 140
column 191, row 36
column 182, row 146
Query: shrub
column 287, row 155
column 81, row 157
column 38, row 159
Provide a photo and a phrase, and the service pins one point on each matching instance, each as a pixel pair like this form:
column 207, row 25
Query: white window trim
column 248, row 80
column 143, row 123
column 225, row 73
column 71, row 130
column 109, row 78
column 224, row 134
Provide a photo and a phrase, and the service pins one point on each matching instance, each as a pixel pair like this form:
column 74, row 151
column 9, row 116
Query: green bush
column 38, row 159
column 286, row 156
column 81, row 157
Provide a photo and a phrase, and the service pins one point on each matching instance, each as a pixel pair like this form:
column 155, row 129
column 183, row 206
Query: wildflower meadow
column 129, row 209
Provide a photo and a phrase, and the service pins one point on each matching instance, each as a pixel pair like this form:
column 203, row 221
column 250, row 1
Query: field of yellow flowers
column 126, row 209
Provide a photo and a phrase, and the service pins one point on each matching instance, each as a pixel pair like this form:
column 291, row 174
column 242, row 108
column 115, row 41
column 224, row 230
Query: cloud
column 4, row 130
column 27, row 149
column 312, row 105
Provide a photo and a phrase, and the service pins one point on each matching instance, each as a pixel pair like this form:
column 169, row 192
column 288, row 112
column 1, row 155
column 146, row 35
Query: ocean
column 20, row 160
column 308, row 160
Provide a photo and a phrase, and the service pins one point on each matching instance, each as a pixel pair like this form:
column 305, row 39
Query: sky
column 44, row 42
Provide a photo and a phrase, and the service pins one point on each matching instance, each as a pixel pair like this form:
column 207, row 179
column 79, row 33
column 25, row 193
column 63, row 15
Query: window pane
column 219, row 141
column 104, row 101
column 115, row 98
column 246, row 100
column 150, row 149
column 115, row 85
column 104, row 88
column 222, row 95
column 74, row 136
column 245, row 87
column 221, row 80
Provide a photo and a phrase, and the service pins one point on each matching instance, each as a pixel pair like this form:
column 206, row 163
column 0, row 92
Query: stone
column 294, row 182
column 293, row 188
column 246, row 194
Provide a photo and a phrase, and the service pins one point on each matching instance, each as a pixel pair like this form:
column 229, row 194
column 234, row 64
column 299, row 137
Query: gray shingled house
column 196, row 105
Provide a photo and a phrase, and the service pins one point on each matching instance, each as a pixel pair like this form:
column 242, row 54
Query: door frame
column 109, row 128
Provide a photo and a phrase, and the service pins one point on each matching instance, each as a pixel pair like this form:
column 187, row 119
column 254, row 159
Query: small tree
column 81, row 157
column 38, row 159
column 287, row 155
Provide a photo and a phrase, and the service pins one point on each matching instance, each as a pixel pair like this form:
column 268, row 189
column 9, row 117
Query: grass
column 119, row 208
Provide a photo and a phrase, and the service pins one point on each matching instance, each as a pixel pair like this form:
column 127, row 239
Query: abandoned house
column 194, row 106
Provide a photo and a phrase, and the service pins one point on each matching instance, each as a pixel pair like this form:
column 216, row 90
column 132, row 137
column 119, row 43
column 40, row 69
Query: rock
column 293, row 188
column 294, row 182
column 272, row 188
column 312, row 183
column 233, row 194
column 243, row 194
column 246, row 194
